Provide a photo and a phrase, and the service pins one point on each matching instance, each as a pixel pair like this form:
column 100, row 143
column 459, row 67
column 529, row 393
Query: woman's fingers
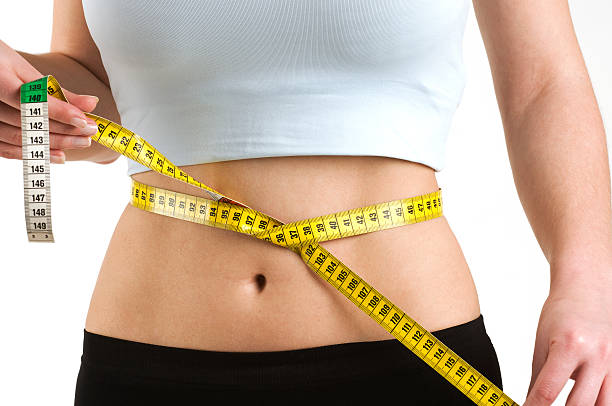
column 605, row 393
column 12, row 135
column 58, row 110
column 66, row 113
column 588, row 383
column 84, row 102
column 10, row 151
column 60, row 128
column 10, row 115
column 551, row 379
column 11, row 81
column 69, row 141
column 10, row 86
column 57, row 156
column 58, row 141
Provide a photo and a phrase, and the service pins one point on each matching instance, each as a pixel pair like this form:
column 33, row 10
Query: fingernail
column 90, row 129
column 94, row 98
column 78, row 122
column 81, row 142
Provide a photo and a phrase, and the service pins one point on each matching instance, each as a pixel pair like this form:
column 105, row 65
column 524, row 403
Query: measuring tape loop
column 302, row 236
column 245, row 220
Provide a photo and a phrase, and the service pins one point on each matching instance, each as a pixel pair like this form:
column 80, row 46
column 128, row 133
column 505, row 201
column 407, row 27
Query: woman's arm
column 83, row 72
column 557, row 150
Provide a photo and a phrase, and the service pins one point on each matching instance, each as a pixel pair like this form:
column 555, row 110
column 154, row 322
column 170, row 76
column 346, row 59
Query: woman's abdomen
column 170, row 282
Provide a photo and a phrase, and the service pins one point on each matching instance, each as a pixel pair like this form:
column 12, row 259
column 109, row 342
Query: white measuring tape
column 36, row 165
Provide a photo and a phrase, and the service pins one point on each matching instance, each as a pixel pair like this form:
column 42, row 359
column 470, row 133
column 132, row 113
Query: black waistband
column 260, row 368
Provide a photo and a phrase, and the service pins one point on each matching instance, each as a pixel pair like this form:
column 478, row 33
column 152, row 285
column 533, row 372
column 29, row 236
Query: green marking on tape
column 34, row 92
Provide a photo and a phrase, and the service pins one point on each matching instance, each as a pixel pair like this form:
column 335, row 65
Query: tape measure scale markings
column 36, row 164
column 302, row 236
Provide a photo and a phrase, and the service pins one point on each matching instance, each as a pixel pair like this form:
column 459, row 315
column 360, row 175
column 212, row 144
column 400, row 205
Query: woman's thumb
column 84, row 102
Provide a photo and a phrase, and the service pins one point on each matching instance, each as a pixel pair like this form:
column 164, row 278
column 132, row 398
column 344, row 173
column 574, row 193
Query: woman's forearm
column 558, row 154
column 76, row 78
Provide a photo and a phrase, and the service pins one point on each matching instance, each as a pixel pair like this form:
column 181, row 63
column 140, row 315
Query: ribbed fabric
column 214, row 80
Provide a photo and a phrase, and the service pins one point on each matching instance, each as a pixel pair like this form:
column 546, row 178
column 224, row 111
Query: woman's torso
column 224, row 90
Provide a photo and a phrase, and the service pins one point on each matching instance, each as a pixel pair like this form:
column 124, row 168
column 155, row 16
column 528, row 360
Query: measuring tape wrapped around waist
column 220, row 211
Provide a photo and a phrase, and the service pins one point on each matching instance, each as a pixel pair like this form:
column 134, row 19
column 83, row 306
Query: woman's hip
column 116, row 371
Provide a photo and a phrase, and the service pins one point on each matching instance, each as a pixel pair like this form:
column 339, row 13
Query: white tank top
column 217, row 80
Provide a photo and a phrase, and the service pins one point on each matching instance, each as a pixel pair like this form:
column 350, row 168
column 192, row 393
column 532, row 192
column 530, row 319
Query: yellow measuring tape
column 301, row 237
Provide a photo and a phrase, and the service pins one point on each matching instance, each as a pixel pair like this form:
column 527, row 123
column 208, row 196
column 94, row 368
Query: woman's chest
column 280, row 35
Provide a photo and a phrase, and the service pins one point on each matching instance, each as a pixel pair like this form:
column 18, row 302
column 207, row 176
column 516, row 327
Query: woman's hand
column 69, row 128
column 574, row 341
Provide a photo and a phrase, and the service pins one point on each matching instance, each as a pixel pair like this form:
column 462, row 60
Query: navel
column 260, row 282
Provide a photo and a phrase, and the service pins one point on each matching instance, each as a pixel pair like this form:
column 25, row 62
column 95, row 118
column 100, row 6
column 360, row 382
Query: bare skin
column 170, row 282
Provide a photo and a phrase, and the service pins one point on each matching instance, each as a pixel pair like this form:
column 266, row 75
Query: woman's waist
column 183, row 280
column 292, row 188
column 289, row 189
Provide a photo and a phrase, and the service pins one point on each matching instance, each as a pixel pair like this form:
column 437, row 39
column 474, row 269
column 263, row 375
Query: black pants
column 121, row 372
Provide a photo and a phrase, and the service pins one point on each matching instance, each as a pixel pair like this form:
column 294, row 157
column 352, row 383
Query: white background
column 45, row 288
